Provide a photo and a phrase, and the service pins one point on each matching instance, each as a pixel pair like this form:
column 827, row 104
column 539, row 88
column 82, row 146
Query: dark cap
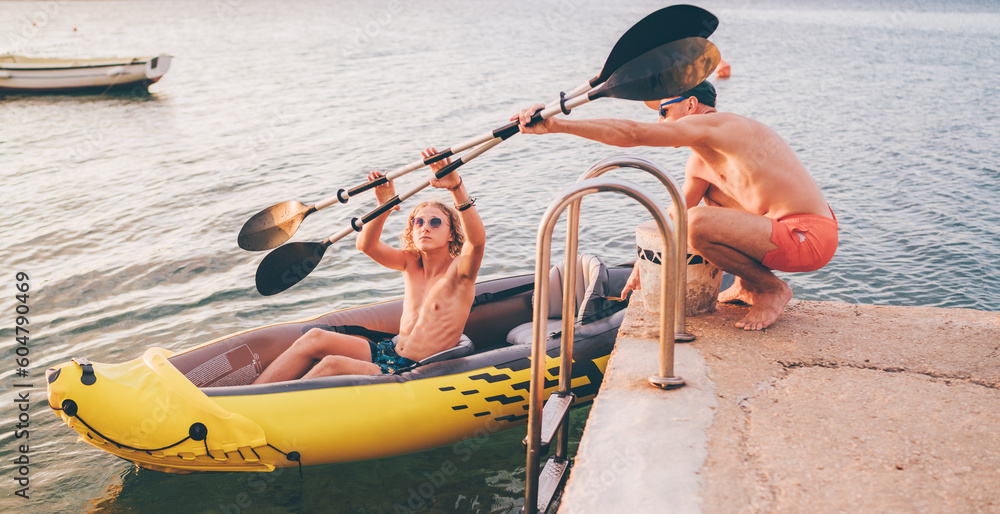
column 704, row 92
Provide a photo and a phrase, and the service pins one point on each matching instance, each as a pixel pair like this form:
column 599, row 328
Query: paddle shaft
column 683, row 64
column 658, row 29
column 485, row 141
column 594, row 88
column 655, row 43
column 358, row 223
column 502, row 133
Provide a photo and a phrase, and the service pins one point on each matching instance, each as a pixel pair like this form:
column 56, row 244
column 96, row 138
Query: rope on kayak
column 197, row 432
column 70, row 408
column 244, row 457
column 292, row 456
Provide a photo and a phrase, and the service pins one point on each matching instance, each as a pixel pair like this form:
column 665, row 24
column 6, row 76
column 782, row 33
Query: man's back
column 750, row 163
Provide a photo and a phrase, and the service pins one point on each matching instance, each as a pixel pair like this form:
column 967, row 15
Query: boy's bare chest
column 426, row 297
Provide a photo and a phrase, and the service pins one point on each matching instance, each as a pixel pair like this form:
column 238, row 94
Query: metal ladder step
column 550, row 481
column 552, row 415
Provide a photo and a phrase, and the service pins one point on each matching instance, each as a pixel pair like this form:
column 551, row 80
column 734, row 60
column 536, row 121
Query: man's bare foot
column 766, row 307
column 736, row 293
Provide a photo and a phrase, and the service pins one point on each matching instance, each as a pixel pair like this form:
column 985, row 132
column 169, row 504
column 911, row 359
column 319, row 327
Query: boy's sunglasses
column 434, row 222
column 663, row 106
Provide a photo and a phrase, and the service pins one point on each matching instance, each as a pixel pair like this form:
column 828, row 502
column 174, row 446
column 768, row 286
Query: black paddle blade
column 659, row 28
column 273, row 226
column 662, row 72
column 287, row 266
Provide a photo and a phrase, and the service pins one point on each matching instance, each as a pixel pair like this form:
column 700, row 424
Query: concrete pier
column 835, row 408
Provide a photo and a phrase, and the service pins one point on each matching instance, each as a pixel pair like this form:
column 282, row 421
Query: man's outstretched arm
column 622, row 133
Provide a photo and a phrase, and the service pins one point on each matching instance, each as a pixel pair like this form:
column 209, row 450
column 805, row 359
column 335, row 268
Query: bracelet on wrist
column 455, row 188
column 465, row 205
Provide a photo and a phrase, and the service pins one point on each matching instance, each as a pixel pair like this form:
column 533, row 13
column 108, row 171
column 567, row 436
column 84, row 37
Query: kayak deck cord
column 72, row 413
column 292, row 456
column 198, row 432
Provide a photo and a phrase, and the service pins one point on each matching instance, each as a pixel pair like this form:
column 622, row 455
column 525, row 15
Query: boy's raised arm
column 471, row 256
column 369, row 240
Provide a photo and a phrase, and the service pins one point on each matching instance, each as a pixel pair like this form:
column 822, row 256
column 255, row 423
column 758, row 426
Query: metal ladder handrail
column 666, row 380
column 680, row 225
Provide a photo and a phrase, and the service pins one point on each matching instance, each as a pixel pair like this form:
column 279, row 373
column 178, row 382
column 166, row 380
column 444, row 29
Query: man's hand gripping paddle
column 663, row 71
column 274, row 225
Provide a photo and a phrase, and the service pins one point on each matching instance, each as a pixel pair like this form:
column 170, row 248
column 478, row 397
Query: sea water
column 123, row 209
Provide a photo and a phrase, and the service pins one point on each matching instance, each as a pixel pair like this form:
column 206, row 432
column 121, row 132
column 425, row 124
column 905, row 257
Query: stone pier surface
column 835, row 408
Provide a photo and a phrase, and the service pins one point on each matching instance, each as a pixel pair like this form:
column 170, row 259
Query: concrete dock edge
column 837, row 407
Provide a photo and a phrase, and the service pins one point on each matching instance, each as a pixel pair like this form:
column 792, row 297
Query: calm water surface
column 124, row 209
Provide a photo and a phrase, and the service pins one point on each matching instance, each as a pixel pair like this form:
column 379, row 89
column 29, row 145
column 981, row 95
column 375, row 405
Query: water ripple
column 126, row 207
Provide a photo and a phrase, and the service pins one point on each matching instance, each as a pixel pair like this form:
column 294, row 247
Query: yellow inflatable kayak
column 195, row 410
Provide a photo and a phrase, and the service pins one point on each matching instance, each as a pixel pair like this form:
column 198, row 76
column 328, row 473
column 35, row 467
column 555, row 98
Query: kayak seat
column 463, row 348
column 592, row 286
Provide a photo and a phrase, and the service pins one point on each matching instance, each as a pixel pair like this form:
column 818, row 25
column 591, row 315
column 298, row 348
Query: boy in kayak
column 762, row 212
column 439, row 262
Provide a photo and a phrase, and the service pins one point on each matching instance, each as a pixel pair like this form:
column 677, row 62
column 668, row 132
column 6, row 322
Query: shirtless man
column 439, row 265
column 762, row 212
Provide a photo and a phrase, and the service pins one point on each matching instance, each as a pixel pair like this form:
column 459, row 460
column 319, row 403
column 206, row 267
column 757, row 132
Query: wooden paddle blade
column 273, row 226
column 662, row 72
column 659, row 28
column 287, row 266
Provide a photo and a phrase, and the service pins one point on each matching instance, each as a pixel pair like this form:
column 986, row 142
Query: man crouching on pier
column 762, row 212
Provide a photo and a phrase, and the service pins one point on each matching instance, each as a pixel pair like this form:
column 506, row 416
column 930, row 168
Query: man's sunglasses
column 663, row 106
column 434, row 222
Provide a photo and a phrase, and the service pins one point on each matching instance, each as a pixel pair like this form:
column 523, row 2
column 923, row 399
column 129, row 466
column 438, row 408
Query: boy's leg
column 307, row 350
column 333, row 365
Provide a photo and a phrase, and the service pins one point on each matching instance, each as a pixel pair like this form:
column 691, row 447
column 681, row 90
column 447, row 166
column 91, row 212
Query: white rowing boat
column 28, row 74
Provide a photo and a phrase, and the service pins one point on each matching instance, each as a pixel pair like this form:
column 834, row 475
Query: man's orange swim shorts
column 806, row 242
